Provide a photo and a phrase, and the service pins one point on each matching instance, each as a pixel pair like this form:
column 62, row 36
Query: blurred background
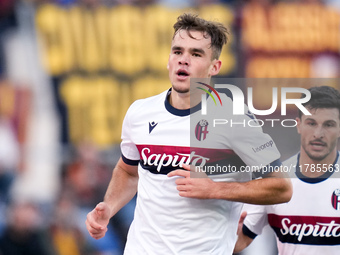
column 69, row 69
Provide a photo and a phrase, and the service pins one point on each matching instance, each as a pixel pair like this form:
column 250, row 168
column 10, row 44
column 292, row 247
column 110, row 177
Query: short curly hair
column 323, row 97
column 217, row 31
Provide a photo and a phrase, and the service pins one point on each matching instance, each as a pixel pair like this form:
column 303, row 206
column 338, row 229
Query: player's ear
column 298, row 124
column 215, row 67
column 167, row 66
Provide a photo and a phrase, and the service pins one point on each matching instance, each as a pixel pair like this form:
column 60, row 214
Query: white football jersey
column 310, row 222
column 159, row 139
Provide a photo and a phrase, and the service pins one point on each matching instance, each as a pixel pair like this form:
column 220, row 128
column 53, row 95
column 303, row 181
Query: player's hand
column 193, row 184
column 97, row 220
column 240, row 222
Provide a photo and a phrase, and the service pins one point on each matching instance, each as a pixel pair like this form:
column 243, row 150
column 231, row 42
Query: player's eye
column 330, row 125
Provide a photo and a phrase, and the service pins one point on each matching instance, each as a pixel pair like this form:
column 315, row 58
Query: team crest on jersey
column 336, row 199
column 201, row 130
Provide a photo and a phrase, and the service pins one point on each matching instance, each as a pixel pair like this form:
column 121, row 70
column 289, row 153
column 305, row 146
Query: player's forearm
column 122, row 188
column 243, row 242
column 262, row 191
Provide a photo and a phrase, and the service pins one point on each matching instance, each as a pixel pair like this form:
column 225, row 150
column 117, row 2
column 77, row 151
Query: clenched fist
column 97, row 220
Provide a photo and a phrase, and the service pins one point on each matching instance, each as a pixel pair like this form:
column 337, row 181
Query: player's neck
column 315, row 168
column 180, row 101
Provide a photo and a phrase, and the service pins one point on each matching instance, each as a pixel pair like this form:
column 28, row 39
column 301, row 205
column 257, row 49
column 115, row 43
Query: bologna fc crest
column 336, row 199
column 201, row 130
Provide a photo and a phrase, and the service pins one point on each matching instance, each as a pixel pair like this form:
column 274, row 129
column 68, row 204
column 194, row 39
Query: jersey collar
column 178, row 112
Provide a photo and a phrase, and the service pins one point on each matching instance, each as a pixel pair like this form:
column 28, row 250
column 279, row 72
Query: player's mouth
column 182, row 74
column 317, row 145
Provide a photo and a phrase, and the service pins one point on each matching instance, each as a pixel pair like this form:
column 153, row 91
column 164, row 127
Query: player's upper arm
column 252, row 145
column 256, row 220
column 248, row 233
column 129, row 166
column 244, row 239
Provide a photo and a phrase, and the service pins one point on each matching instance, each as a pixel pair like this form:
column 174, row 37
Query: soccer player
column 169, row 218
column 310, row 222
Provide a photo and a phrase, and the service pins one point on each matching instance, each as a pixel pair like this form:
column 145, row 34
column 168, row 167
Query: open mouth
column 182, row 73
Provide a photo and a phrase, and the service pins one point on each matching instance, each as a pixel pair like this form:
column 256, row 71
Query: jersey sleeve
column 255, row 221
column 252, row 145
column 130, row 153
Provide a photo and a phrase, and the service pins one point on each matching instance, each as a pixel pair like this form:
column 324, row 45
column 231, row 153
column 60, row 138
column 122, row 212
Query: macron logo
column 152, row 125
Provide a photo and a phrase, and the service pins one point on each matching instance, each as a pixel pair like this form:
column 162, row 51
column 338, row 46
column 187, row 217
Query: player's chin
column 318, row 156
column 181, row 88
